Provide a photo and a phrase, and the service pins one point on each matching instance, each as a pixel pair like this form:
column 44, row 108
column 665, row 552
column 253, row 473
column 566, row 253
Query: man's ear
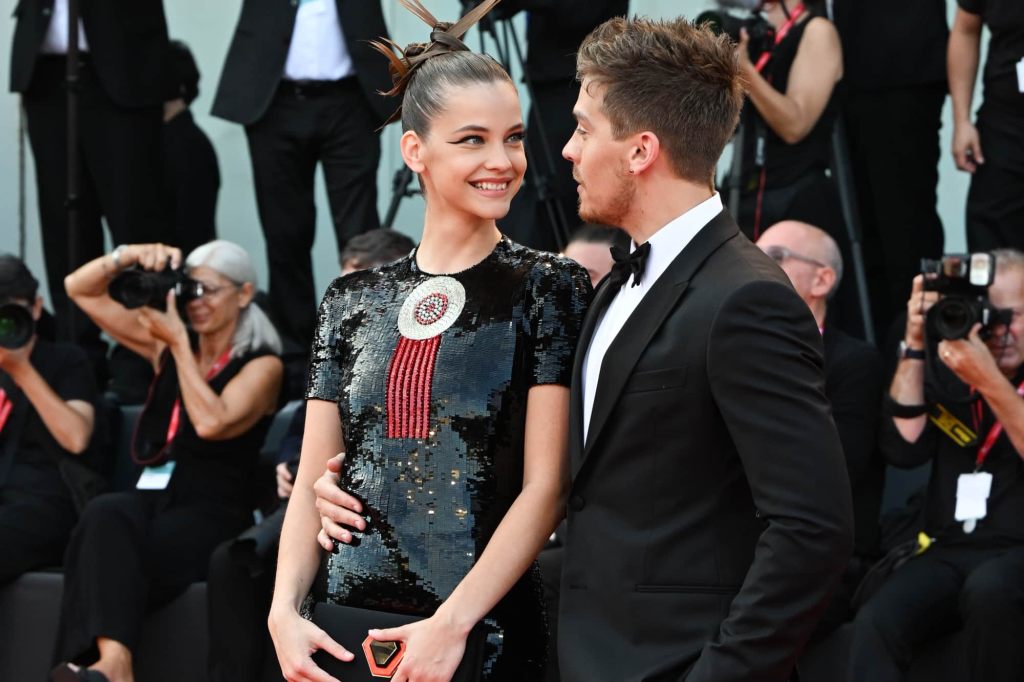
column 824, row 280
column 412, row 151
column 645, row 148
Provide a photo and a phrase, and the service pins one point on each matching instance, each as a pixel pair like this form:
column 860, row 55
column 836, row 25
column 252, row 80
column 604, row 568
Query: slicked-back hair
column 426, row 94
column 672, row 78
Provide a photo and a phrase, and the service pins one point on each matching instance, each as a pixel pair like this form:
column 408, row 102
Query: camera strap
column 172, row 427
column 993, row 436
column 783, row 31
column 6, row 405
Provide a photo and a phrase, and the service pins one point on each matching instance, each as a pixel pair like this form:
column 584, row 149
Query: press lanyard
column 993, row 435
column 784, row 30
column 172, row 428
column 6, row 405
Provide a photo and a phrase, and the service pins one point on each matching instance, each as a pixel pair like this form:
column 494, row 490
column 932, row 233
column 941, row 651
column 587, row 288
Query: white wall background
column 207, row 26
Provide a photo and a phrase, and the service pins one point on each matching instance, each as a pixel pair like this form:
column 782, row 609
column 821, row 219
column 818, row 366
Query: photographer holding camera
column 198, row 436
column 47, row 412
column 957, row 402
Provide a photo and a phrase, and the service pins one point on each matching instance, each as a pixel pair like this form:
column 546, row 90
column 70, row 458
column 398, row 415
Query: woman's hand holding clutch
column 434, row 649
column 296, row 639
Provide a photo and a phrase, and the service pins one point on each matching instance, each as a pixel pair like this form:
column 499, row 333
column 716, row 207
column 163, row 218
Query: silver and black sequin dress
column 431, row 374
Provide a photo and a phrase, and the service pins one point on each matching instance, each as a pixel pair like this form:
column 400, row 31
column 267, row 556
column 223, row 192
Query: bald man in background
column 853, row 384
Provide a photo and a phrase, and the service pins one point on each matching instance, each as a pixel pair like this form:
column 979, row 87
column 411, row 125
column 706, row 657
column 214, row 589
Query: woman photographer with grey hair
column 197, row 440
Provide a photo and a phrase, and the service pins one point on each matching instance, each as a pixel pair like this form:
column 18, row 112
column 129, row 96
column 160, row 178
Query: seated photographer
column 47, row 413
column 199, row 434
column 241, row 578
column 958, row 403
column 853, row 385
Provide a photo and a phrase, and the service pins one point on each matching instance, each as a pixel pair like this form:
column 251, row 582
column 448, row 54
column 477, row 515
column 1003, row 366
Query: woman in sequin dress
column 452, row 393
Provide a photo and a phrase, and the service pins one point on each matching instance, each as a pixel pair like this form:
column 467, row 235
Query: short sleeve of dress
column 972, row 6
column 559, row 295
column 324, row 381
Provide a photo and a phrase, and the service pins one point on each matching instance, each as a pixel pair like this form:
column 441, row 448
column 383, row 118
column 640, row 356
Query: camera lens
column 16, row 325
column 953, row 317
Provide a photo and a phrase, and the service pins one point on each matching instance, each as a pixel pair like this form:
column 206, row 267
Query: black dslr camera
column 135, row 287
column 16, row 325
column 762, row 33
column 963, row 281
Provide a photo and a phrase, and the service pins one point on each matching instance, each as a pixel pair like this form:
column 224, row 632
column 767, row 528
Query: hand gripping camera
column 135, row 287
column 963, row 280
column 761, row 33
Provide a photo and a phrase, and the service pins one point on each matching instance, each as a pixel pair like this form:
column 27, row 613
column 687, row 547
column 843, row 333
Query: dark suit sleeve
column 854, row 387
column 765, row 371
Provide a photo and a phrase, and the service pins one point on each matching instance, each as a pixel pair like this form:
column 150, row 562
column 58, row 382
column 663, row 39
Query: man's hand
column 14, row 360
column 337, row 508
column 284, row 480
column 917, row 309
column 970, row 359
column 967, row 147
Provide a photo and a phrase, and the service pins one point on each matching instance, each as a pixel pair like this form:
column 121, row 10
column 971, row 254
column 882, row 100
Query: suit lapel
column 602, row 297
column 644, row 322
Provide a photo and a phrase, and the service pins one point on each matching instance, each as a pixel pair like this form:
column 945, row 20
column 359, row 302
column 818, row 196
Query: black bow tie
column 627, row 264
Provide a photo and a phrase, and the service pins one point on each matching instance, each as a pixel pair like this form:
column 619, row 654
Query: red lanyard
column 993, row 435
column 6, row 406
column 172, row 428
column 784, row 30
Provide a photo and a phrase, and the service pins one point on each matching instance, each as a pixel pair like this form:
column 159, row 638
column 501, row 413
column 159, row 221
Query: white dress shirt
column 318, row 51
column 56, row 39
column 666, row 244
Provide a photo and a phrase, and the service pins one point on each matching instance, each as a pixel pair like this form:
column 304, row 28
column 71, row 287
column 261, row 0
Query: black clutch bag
column 375, row 661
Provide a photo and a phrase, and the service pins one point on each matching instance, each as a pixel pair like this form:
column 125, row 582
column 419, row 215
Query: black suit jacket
column 255, row 62
column 709, row 516
column 853, row 384
column 127, row 43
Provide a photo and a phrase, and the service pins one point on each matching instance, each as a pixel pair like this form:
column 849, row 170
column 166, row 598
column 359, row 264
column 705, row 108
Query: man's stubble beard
column 617, row 207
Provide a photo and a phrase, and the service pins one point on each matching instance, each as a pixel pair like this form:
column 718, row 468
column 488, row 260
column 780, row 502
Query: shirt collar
column 669, row 241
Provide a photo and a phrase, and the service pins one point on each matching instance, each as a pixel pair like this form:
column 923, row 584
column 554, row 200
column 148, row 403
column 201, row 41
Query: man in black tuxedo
column 709, row 514
column 853, row 385
column 303, row 80
column 124, row 80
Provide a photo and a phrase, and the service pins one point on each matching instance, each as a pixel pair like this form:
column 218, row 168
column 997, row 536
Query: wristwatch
column 908, row 353
column 115, row 256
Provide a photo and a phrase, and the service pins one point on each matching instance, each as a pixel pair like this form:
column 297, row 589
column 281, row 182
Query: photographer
column 958, row 405
column 47, row 413
column 199, row 436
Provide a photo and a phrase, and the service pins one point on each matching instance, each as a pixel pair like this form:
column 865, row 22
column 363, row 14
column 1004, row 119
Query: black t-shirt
column 1002, row 524
column 892, row 44
column 66, row 369
column 1005, row 20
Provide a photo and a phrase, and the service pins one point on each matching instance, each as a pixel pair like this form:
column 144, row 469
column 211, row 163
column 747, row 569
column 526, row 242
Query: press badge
column 972, row 491
column 155, row 478
column 1020, row 75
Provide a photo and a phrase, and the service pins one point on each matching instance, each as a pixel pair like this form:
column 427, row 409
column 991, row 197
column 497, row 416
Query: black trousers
column 981, row 590
column 131, row 553
column 34, row 529
column 530, row 218
column 893, row 141
column 119, row 154
column 238, row 593
column 332, row 125
column 995, row 202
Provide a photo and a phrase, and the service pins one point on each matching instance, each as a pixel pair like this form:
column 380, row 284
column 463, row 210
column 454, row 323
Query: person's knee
column 988, row 591
column 105, row 511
